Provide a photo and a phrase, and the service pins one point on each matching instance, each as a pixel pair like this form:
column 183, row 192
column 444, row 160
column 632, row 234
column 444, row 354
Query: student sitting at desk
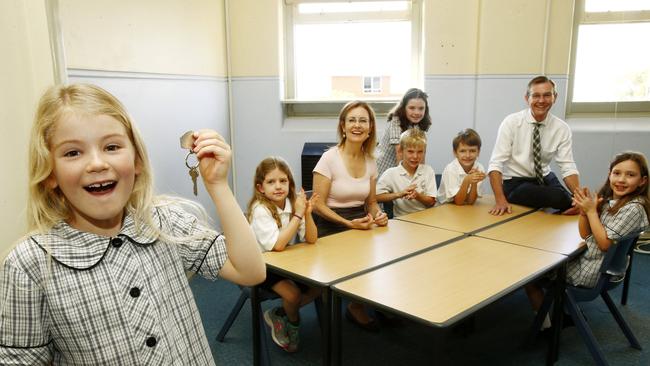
column 279, row 215
column 462, row 178
column 411, row 185
column 620, row 208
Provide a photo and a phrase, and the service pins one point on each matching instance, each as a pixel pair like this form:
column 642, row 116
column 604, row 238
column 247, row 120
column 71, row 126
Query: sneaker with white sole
column 278, row 325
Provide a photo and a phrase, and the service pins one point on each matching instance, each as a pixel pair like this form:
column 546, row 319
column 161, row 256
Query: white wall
column 25, row 70
column 163, row 108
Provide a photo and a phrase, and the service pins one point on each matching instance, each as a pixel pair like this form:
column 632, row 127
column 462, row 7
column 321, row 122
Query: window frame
column 623, row 108
column 375, row 88
column 294, row 107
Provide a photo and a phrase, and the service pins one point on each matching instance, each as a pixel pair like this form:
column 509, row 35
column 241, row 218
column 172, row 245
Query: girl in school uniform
column 621, row 207
column 101, row 277
column 279, row 215
column 346, row 177
column 412, row 111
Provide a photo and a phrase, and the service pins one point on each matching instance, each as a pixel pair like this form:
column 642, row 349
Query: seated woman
column 346, row 176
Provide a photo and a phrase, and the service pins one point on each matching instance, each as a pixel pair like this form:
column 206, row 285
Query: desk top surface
column 466, row 218
column 337, row 256
column 540, row 230
column 444, row 285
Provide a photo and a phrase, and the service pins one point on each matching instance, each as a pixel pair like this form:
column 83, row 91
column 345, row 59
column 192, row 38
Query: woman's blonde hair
column 47, row 206
column 265, row 166
column 370, row 143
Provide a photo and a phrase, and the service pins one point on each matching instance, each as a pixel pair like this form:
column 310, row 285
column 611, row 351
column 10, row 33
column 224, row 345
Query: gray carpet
column 496, row 339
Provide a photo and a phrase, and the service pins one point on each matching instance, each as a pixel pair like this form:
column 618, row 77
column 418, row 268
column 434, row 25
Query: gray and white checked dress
column 386, row 157
column 584, row 270
column 108, row 301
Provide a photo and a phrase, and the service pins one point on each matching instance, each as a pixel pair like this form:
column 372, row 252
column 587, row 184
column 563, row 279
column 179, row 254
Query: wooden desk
column 540, row 230
column 349, row 253
column 466, row 218
column 343, row 255
column 444, row 285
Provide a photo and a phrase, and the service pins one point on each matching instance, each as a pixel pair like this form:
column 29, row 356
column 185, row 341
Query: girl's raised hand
column 214, row 156
column 585, row 200
column 363, row 223
column 301, row 203
column 311, row 203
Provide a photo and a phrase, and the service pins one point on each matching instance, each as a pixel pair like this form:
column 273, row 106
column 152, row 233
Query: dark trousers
column 326, row 227
column 527, row 192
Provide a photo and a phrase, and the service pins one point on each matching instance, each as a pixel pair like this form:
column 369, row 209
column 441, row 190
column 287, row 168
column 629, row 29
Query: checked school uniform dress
column 108, row 301
column 584, row 271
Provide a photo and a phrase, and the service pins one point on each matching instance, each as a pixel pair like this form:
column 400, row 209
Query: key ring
column 187, row 164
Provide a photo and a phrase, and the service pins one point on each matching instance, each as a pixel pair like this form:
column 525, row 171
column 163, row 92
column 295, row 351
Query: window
column 338, row 50
column 371, row 84
column 610, row 57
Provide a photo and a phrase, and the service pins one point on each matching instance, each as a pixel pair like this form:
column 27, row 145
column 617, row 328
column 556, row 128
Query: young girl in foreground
column 411, row 111
column 101, row 279
column 277, row 213
column 621, row 207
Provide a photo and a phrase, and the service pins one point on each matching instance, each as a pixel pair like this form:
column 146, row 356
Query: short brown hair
column 540, row 80
column 468, row 137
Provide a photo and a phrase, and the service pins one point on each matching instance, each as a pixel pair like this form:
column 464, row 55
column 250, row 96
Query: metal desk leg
column 558, row 315
column 255, row 316
column 327, row 326
column 336, row 329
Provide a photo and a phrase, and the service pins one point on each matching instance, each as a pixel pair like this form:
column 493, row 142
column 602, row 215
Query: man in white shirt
column 526, row 143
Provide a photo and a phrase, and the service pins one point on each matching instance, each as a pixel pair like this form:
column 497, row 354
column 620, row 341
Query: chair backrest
column 615, row 262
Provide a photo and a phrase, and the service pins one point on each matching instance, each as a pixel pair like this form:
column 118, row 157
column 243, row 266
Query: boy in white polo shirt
column 411, row 185
column 462, row 178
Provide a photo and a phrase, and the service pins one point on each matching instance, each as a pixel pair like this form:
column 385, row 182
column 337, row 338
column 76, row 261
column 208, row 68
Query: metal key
column 187, row 142
column 194, row 174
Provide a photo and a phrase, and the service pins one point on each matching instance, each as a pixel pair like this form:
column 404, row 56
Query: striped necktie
column 537, row 155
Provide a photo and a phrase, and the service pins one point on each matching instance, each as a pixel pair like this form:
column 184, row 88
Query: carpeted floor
column 496, row 339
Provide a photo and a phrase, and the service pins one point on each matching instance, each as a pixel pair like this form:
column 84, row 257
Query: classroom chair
column 612, row 272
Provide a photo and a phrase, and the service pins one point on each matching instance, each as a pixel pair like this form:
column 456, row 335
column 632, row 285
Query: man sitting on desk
column 526, row 142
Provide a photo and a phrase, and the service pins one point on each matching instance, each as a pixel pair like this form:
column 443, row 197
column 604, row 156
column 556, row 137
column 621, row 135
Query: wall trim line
column 89, row 73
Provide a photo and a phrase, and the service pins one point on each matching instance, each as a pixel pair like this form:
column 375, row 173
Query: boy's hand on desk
column 363, row 223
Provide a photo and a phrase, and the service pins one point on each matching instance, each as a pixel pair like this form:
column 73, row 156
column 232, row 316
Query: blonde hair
column 263, row 168
column 368, row 146
column 47, row 206
column 412, row 137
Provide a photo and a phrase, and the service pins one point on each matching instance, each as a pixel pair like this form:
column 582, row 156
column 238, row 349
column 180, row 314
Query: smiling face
column 466, row 155
column 94, row 167
column 275, row 187
column 415, row 109
column 357, row 125
column 540, row 99
column 625, row 178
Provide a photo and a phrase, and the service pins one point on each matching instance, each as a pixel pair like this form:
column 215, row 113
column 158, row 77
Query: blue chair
column 612, row 273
